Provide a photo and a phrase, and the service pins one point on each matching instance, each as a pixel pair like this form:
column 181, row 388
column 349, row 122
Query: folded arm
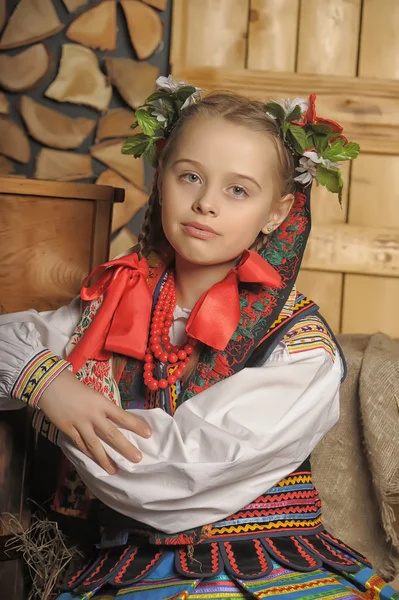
column 224, row 447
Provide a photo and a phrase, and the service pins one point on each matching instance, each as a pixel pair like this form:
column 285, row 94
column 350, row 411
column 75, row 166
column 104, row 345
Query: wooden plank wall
column 347, row 52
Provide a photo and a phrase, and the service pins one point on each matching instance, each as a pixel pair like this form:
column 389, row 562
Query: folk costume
column 222, row 504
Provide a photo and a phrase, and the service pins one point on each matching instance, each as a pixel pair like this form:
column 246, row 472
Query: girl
column 208, row 493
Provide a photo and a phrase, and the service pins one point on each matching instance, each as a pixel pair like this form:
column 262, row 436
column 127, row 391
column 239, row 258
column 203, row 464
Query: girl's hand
column 85, row 416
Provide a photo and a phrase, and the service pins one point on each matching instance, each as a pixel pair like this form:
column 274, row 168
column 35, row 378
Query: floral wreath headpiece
column 317, row 143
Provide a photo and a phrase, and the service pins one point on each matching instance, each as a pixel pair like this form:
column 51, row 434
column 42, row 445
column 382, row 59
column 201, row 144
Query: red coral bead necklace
column 160, row 346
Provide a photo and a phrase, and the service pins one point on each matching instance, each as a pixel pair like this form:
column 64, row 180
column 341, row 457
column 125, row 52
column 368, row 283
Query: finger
column 79, row 443
column 110, row 434
column 95, row 447
column 128, row 421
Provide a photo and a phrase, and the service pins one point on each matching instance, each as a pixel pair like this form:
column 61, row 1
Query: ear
column 278, row 213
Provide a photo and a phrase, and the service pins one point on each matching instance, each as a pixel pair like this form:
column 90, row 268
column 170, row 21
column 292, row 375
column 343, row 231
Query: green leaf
column 300, row 136
column 339, row 151
column 320, row 142
column 158, row 95
column 284, row 127
column 134, row 125
column 331, row 179
column 295, row 114
column 275, row 110
column 320, row 128
column 137, row 145
column 147, row 122
column 142, row 145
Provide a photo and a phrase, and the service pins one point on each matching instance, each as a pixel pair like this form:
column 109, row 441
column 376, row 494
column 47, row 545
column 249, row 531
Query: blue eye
column 238, row 191
column 191, row 177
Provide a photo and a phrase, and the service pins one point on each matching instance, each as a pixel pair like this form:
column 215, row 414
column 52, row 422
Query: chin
column 206, row 257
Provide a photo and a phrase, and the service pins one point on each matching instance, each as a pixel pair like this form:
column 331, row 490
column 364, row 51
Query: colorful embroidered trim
column 43, row 426
column 293, row 505
column 240, row 560
column 310, row 334
column 289, row 306
column 36, row 376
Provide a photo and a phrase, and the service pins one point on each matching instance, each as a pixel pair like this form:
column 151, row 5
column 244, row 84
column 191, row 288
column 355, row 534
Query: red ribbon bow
column 122, row 322
column 217, row 313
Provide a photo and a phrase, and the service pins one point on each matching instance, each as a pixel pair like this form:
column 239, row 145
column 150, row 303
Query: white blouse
column 221, row 450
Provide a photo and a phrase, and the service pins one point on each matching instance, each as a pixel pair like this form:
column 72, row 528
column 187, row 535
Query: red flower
column 91, row 382
column 101, row 368
column 310, row 117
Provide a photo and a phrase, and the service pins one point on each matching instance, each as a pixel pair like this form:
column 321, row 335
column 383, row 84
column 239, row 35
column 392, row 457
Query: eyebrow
column 197, row 164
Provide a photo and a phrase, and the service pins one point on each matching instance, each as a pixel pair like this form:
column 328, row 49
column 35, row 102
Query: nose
column 206, row 203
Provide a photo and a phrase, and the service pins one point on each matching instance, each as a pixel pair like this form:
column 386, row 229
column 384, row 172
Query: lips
column 200, row 226
column 199, row 231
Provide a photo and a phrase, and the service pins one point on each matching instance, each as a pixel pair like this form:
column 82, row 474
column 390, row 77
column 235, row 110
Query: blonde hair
column 235, row 109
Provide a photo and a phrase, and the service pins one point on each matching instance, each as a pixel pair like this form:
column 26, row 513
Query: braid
column 145, row 231
column 151, row 236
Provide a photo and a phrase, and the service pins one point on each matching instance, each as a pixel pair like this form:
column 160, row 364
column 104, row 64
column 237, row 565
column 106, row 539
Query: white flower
column 312, row 155
column 193, row 99
column 168, row 83
column 288, row 105
column 160, row 114
column 308, row 170
column 308, row 165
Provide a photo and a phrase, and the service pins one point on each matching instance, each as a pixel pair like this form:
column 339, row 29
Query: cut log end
column 135, row 198
column 31, row 21
column 116, row 123
column 145, row 27
column 6, row 166
column 13, row 141
column 110, row 154
column 24, row 70
column 80, row 80
column 134, row 81
column 4, row 105
column 57, row 165
column 159, row 4
column 96, row 27
column 3, row 13
column 52, row 128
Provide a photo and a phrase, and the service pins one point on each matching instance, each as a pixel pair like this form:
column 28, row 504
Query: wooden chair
column 51, row 236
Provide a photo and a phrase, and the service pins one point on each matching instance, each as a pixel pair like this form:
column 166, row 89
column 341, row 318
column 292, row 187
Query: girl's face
column 218, row 191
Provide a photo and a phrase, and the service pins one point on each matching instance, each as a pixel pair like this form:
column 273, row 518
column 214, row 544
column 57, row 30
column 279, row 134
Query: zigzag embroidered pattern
column 310, row 334
column 273, row 511
column 300, row 478
column 173, row 393
column 273, row 525
column 287, row 507
column 293, row 305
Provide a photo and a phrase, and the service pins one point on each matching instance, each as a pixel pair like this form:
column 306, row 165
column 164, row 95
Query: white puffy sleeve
column 225, row 446
column 32, row 352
